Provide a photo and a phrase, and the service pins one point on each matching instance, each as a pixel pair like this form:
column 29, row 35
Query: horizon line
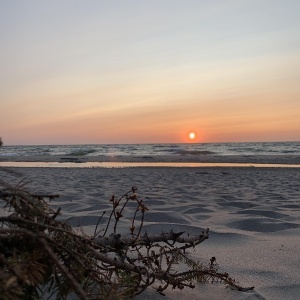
column 153, row 143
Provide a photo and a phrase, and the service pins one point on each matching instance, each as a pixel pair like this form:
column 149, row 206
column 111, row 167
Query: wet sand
column 199, row 158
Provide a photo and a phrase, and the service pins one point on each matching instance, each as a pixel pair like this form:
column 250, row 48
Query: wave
column 82, row 152
column 195, row 152
column 223, row 149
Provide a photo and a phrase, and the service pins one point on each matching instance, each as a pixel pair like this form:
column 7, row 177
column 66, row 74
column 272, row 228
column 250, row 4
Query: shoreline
column 241, row 159
column 80, row 164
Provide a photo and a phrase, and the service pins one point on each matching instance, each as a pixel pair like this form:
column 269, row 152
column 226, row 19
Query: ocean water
column 266, row 148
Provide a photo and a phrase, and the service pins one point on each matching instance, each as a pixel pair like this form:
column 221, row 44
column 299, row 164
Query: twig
column 79, row 291
column 100, row 218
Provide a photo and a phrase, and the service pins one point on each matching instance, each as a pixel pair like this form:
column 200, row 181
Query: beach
column 192, row 108
column 252, row 215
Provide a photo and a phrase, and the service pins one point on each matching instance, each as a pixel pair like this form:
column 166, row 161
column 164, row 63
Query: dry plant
column 42, row 257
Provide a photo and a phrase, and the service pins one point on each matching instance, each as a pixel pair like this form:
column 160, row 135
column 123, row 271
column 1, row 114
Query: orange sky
column 149, row 73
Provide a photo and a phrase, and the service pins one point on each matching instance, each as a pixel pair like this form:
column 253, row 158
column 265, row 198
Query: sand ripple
column 253, row 214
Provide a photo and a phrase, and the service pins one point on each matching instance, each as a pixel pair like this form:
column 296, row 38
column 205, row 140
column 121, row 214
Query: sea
column 145, row 150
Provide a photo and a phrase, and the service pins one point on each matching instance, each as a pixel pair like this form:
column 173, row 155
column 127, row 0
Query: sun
column 192, row 136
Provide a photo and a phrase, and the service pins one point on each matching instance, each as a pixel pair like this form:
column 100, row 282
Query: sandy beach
column 252, row 213
column 195, row 104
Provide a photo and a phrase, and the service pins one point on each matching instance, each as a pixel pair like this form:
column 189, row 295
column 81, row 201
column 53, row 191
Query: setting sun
column 192, row 136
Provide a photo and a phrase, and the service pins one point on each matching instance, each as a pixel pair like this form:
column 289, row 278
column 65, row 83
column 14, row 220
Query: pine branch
column 98, row 265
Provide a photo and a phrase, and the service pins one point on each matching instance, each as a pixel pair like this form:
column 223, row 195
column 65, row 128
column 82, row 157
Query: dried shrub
column 42, row 256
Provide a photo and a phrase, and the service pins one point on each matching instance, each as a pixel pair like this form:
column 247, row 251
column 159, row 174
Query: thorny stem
column 95, row 231
column 119, row 215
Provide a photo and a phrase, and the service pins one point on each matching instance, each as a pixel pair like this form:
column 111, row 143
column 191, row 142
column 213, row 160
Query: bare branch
column 91, row 267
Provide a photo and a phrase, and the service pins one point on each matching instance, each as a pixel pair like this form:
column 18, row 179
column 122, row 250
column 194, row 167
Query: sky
column 75, row 72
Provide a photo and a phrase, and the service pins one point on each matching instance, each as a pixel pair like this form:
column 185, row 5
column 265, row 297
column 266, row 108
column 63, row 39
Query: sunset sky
column 149, row 71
